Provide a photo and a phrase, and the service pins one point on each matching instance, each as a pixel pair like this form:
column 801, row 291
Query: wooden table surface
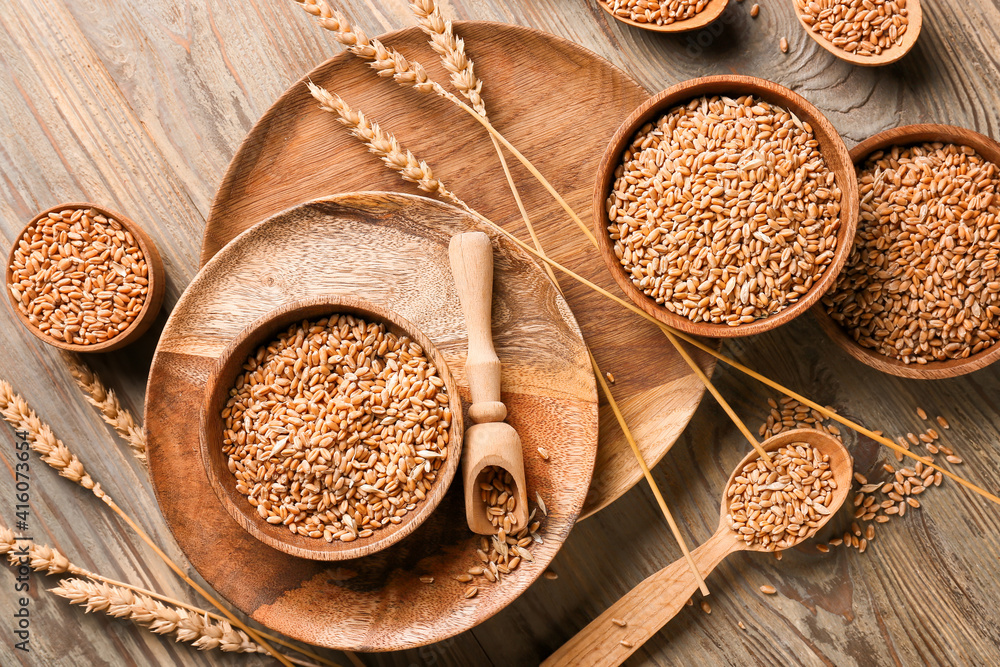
column 141, row 105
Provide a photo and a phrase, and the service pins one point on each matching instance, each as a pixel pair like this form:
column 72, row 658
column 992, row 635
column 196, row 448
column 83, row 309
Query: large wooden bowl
column 223, row 378
column 831, row 146
column 933, row 370
column 712, row 11
column 150, row 307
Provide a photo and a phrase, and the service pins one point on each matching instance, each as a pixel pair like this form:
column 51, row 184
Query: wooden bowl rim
column 710, row 13
column 888, row 57
column 933, row 370
column 155, row 276
column 279, row 537
column 810, row 436
column 832, row 148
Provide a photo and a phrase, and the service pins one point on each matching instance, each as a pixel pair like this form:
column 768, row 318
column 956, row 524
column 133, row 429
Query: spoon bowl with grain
column 862, row 33
column 825, row 468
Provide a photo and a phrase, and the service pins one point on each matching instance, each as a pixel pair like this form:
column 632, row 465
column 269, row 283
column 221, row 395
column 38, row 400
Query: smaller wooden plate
column 223, row 377
column 933, row 370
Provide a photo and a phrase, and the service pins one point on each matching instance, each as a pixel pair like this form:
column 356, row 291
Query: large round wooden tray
column 559, row 104
column 392, row 250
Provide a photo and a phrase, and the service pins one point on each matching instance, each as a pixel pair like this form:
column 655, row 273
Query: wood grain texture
column 140, row 107
column 831, row 146
column 562, row 114
column 390, row 250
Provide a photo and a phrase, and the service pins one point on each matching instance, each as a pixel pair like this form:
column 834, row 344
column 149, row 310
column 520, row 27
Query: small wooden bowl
column 222, row 379
column 914, row 16
column 154, row 295
column 831, row 146
column 712, row 11
column 933, row 370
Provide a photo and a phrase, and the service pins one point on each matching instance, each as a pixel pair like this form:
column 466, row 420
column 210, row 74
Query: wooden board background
column 141, row 106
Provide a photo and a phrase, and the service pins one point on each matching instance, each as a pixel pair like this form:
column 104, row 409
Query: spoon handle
column 471, row 256
column 645, row 609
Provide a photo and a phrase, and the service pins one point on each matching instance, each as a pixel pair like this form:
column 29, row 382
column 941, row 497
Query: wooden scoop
column 915, row 19
column 490, row 441
column 650, row 605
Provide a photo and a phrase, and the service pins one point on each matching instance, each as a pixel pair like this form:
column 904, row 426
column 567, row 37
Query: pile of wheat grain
column 724, row 210
column 922, row 282
column 337, row 428
column 861, row 27
column 656, row 12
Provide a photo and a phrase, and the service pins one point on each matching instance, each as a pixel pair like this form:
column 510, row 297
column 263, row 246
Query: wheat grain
column 374, row 448
column 922, row 282
column 79, row 277
column 107, row 403
column 53, row 452
column 724, row 211
column 656, row 12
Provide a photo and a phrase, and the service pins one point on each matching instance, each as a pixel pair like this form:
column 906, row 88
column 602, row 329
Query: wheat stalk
column 200, row 630
column 40, row 438
column 49, row 560
column 106, row 401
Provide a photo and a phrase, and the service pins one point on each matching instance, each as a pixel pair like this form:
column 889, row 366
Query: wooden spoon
column 651, row 604
column 915, row 17
column 490, row 441
column 711, row 12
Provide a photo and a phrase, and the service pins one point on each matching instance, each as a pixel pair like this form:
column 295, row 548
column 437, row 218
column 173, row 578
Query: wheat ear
column 163, row 619
column 49, row 560
column 40, row 438
column 389, row 63
column 106, row 401
column 451, row 49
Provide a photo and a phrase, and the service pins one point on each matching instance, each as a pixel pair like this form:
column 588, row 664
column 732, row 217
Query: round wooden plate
column 392, row 250
column 559, row 104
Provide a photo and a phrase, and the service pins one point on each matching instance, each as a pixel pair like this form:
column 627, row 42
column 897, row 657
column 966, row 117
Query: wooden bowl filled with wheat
column 919, row 296
column 725, row 206
column 85, row 279
column 331, row 428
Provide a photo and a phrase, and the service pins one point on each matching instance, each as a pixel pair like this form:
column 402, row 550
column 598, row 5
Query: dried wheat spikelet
column 106, row 401
column 452, row 52
column 52, row 451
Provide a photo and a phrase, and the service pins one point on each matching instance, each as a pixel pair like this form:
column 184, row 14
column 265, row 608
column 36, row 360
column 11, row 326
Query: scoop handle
column 645, row 609
column 471, row 256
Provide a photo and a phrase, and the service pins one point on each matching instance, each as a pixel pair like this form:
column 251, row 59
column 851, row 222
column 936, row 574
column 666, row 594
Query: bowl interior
column 932, row 370
column 831, row 146
column 223, row 378
column 150, row 307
